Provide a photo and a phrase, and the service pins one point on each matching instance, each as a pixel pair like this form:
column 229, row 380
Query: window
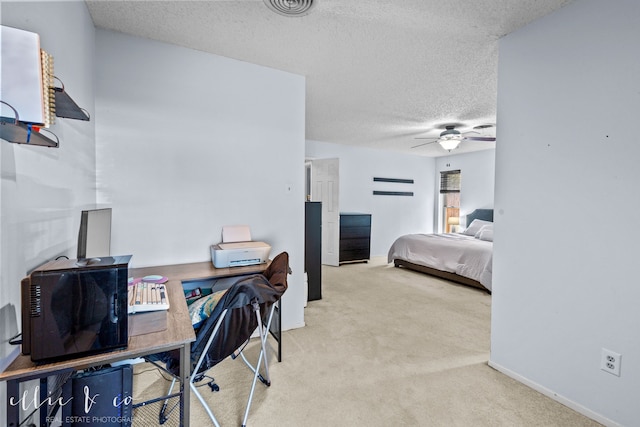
column 450, row 201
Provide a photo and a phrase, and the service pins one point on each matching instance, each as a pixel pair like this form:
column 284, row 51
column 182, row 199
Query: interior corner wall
column 478, row 179
column 566, row 186
column 391, row 216
column 44, row 189
column 189, row 142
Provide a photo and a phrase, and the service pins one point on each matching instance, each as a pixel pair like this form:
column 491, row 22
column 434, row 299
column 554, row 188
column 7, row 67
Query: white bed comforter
column 455, row 253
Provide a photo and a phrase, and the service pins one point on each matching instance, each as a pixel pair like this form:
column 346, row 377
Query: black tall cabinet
column 313, row 249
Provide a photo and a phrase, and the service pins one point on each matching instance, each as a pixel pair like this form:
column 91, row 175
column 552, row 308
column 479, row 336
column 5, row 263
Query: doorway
column 322, row 184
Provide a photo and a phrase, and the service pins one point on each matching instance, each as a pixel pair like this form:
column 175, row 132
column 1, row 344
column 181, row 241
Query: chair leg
column 263, row 339
column 204, row 404
column 261, row 357
column 192, row 386
column 263, row 343
column 164, row 416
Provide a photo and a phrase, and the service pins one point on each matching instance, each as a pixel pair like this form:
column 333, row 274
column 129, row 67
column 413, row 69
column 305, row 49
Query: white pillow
column 475, row 226
column 483, row 228
column 486, row 234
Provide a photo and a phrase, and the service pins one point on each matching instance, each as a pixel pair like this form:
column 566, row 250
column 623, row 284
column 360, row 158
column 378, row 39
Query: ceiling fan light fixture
column 450, row 142
column 290, row 7
column 450, row 138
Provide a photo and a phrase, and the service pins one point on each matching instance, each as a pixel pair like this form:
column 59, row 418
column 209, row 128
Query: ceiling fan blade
column 424, row 143
column 481, row 138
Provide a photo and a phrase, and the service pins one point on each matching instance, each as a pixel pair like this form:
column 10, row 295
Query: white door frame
column 325, row 180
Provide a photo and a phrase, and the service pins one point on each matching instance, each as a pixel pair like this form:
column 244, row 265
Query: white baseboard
column 555, row 396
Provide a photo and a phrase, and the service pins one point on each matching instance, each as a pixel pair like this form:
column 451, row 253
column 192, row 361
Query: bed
column 464, row 257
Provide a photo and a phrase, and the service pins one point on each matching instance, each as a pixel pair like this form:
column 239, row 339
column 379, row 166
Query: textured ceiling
column 378, row 73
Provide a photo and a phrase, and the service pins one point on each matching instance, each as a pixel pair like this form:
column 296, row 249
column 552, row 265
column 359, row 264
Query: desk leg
column 13, row 411
column 44, row 410
column 185, row 389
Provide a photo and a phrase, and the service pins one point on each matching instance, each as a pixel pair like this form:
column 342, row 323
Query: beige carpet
column 384, row 347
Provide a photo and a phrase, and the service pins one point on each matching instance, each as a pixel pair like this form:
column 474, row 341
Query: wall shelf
column 21, row 133
column 17, row 132
column 28, row 90
column 66, row 107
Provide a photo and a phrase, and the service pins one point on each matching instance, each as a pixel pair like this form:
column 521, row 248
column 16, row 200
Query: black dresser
column 355, row 237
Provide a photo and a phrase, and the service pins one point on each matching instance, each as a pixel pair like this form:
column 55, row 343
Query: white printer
column 237, row 249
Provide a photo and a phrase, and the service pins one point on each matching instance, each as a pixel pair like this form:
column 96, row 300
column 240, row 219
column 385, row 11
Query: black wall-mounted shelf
column 396, row 180
column 67, row 108
column 392, row 193
column 17, row 132
column 22, row 133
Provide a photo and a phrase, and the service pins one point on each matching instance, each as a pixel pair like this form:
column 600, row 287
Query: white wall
column 240, row 135
column 565, row 239
column 478, row 173
column 189, row 142
column 44, row 189
column 391, row 216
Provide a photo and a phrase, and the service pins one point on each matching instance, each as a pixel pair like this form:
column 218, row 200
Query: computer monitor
column 94, row 237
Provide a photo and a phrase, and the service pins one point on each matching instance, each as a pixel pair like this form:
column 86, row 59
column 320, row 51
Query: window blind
column 450, row 182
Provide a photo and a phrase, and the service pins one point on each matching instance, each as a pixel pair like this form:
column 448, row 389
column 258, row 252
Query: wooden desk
column 178, row 335
column 198, row 271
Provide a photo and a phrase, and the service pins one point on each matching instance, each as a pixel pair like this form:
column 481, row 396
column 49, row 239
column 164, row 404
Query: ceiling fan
column 450, row 138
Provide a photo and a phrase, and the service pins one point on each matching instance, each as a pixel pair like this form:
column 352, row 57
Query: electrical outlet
column 610, row 362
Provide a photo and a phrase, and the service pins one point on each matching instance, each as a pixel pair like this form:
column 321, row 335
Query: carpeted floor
column 384, row 347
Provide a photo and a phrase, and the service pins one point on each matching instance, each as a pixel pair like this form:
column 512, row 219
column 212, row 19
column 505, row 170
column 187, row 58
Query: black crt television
column 94, row 235
column 72, row 308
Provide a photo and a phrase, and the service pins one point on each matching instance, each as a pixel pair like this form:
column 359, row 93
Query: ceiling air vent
column 290, row 7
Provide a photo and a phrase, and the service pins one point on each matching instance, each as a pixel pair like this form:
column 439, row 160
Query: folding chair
column 247, row 305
